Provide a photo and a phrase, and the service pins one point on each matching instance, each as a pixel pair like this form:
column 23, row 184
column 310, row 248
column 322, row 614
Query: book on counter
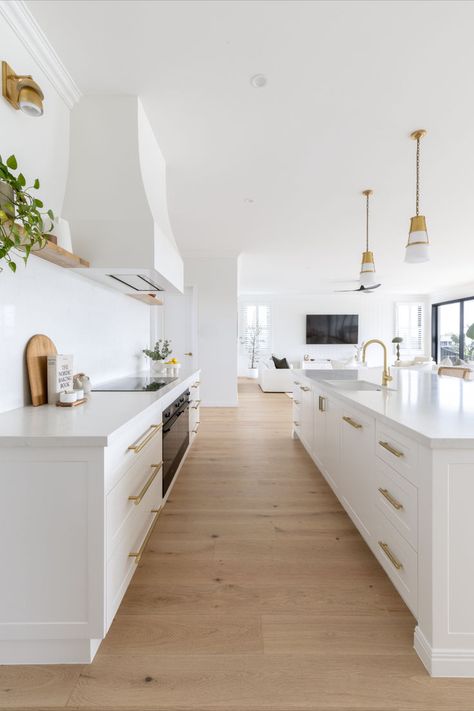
column 60, row 376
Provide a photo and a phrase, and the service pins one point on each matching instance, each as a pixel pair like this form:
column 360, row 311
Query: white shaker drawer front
column 398, row 559
column 130, row 547
column 132, row 493
column 135, row 441
column 397, row 450
column 297, row 383
column 397, row 499
column 195, row 390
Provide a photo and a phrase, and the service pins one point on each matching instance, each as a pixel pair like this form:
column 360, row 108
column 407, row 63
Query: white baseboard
column 48, row 651
column 444, row 662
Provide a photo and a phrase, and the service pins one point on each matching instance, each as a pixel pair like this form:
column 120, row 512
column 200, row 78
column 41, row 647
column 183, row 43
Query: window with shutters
column 255, row 332
column 410, row 325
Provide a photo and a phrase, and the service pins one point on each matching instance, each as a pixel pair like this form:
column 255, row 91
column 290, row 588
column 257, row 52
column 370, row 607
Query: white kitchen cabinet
column 410, row 495
column 357, row 468
column 306, row 416
column 81, row 491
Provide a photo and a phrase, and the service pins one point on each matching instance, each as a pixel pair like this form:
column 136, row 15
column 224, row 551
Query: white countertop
column 439, row 411
column 91, row 424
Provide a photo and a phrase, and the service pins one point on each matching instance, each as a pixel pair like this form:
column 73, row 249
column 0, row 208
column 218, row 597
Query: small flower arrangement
column 161, row 350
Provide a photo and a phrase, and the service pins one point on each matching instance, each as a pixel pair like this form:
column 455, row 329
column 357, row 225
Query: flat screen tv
column 332, row 328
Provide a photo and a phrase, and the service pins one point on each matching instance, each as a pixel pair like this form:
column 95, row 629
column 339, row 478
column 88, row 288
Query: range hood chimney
column 116, row 200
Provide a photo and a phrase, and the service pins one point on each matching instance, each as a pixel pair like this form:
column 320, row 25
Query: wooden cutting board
column 38, row 348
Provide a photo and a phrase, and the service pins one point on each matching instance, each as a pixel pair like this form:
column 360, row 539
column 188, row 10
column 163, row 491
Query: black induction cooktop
column 134, row 384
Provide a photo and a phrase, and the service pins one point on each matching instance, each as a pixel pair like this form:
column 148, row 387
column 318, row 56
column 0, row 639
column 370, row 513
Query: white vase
column 158, row 368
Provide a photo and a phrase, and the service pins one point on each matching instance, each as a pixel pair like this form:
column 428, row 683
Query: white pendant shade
column 367, row 278
column 417, row 249
column 367, row 269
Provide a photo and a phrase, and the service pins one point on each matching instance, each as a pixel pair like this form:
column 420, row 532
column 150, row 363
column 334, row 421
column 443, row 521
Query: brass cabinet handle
column 196, row 429
column 190, row 354
column 304, row 388
column 322, row 404
column 138, row 445
column 196, row 406
column 196, row 384
column 392, row 450
column 392, row 558
column 391, row 499
column 296, row 382
column 297, row 402
column 138, row 554
column 352, row 422
column 136, row 499
column 296, row 424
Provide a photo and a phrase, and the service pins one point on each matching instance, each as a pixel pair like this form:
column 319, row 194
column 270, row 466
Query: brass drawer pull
column 196, row 384
column 196, row 406
column 195, row 431
column 352, row 422
column 136, row 499
column 392, row 450
column 296, row 402
column 322, row 404
column 138, row 554
column 304, row 388
column 296, row 424
column 392, row 558
column 391, row 499
column 296, row 382
column 138, row 445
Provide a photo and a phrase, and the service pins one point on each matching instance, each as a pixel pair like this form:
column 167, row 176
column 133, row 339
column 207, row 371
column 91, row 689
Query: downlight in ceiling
column 258, row 81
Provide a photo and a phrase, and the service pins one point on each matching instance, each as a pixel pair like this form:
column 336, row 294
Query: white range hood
column 116, row 200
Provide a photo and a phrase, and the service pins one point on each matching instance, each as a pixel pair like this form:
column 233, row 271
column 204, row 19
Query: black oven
column 175, row 437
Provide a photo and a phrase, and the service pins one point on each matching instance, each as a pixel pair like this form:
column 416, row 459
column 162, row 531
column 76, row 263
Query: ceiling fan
column 367, row 269
column 362, row 289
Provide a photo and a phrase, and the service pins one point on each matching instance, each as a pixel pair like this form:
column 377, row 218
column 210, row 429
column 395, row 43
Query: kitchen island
column 82, row 491
column 401, row 461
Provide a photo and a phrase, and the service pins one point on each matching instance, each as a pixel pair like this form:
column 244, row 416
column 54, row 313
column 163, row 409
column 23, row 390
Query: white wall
column 376, row 320
column 215, row 279
column 103, row 329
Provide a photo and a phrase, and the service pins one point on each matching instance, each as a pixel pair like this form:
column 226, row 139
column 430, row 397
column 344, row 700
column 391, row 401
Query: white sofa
column 274, row 380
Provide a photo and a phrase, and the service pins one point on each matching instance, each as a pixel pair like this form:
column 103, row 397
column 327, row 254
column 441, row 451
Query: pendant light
column 367, row 268
column 418, row 242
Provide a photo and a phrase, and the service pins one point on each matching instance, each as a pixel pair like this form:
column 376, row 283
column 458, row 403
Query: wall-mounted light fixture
column 22, row 92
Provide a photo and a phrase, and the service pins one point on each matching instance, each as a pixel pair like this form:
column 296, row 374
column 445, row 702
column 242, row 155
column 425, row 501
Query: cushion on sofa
column 280, row 363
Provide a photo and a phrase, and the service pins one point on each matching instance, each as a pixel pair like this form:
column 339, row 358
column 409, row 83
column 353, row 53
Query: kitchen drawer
column 296, row 383
column 144, row 481
column 398, row 559
column 397, row 450
column 121, row 566
column 397, row 499
column 195, row 390
column 140, row 439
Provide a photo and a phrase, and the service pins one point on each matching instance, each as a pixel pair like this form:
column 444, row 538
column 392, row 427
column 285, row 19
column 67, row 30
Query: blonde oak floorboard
column 256, row 594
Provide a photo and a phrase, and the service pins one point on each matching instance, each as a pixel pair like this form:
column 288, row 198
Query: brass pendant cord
column 367, row 225
column 417, row 176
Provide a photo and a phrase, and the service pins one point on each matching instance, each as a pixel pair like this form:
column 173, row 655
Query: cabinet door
column 357, row 468
column 332, row 442
column 306, row 410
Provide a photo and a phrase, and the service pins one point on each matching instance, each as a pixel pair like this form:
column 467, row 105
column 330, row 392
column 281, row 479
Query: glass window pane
column 469, row 330
column 448, row 331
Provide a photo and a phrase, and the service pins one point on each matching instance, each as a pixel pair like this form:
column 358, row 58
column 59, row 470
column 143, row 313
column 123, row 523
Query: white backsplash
column 104, row 330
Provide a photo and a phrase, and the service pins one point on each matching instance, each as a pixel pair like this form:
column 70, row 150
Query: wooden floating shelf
column 149, row 299
column 57, row 255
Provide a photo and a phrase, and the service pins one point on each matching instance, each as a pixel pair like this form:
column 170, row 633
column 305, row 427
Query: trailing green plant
column 160, row 352
column 22, row 217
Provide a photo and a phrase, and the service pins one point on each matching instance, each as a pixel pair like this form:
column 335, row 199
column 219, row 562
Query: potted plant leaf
column 158, row 355
column 22, row 216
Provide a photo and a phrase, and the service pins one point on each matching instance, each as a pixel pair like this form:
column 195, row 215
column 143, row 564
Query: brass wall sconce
column 21, row 91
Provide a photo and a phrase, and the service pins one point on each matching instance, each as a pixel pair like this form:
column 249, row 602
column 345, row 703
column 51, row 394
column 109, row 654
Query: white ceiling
column 347, row 82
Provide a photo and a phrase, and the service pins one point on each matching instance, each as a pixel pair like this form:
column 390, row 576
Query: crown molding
column 22, row 22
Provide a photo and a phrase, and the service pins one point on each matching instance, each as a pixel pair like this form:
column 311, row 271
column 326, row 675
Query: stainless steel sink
column 356, row 385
